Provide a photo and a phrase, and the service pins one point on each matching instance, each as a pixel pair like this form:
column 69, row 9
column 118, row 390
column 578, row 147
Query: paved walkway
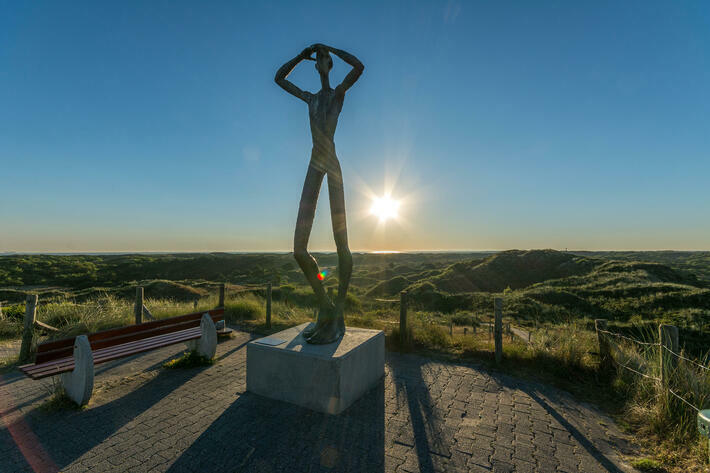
column 424, row 416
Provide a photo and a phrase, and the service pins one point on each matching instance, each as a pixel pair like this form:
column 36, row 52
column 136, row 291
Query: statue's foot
column 328, row 332
column 309, row 331
column 326, row 312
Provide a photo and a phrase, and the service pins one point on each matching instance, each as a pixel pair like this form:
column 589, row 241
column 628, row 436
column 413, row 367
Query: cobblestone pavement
column 424, row 416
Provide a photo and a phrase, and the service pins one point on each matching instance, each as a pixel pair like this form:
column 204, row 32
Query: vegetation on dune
column 695, row 262
column 513, row 269
column 76, row 272
column 389, row 287
column 555, row 295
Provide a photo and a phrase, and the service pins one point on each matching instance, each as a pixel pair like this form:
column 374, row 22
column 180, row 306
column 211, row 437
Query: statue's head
column 324, row 63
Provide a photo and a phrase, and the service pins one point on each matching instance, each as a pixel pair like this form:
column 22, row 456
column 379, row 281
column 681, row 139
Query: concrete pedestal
column 325, row 378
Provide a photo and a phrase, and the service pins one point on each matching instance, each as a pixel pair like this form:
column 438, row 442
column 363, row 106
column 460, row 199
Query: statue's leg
column 331, row 330
column 336, row 193
column 306, row 214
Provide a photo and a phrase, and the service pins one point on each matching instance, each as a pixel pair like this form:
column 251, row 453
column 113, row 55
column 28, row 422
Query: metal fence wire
column 655, row 378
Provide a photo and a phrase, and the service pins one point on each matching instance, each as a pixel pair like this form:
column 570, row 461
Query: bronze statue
column 323, row 110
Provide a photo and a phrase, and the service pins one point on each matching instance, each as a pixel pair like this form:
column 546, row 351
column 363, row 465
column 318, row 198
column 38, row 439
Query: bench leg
column 206, row 345
column 79, row 383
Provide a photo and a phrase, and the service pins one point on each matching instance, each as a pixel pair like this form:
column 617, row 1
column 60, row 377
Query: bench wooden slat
column 127, row 350
column 114, row 353
column 178, row 323
column 116, row 332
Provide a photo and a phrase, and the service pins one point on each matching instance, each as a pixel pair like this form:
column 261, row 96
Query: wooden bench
column 74, row 358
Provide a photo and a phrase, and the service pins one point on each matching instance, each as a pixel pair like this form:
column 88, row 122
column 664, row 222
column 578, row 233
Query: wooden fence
column 140, row 311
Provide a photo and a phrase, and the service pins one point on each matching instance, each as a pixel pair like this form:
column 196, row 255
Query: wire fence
column 655, row 378
column 627, row 338
column 686, row 359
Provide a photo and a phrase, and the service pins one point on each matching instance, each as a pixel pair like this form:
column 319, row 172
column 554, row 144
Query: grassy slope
column 539, row 286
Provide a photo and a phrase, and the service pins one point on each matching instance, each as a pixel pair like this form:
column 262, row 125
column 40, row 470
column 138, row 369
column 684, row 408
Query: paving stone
column 425, row 416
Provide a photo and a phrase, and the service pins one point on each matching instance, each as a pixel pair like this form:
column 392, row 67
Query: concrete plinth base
column 325, row 378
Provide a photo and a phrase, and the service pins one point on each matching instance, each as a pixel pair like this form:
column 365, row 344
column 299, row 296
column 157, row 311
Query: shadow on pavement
column 426, row 430
column 578, row 436
column 62, row 433
column 263, row 435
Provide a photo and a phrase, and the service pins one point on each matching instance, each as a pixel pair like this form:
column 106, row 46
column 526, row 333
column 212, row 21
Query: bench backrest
column 55, row 349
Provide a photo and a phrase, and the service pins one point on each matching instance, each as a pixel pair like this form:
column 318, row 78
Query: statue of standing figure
column 323, row 110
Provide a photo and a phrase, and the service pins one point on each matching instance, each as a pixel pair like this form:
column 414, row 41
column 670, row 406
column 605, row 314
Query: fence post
column 403, row 318
column 221, row 296
column 668, row 336
column 194, row 304
column 451, row 328
column 268, row 305
column 138, row 306
column 28, row 332
column 498, row 328
column 604, row 354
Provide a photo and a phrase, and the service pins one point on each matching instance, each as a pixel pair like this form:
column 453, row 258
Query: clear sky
column 157, row 126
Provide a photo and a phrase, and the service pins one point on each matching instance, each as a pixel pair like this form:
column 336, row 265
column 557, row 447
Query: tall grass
column 569, row 348
column 653, row 410
column 107, row 312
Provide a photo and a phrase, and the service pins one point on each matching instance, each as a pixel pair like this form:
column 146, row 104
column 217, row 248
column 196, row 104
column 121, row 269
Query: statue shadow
column 426, row 430
column 264, row 435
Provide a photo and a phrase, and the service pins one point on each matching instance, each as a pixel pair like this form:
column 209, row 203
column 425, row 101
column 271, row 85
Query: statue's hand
column 307, row 52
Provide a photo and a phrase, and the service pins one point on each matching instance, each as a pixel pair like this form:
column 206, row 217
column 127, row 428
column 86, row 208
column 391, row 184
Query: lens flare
column 322, row 275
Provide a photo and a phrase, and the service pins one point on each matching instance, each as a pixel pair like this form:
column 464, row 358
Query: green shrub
column 248, row 307
column 431, row 336
column 647, row 465
column 10, row 328
column 465, row 319
column 190, row 359
column 14, row 311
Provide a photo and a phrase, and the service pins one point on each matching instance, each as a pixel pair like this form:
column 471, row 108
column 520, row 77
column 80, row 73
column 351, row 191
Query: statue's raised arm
column 286, row 69
column 355, row 72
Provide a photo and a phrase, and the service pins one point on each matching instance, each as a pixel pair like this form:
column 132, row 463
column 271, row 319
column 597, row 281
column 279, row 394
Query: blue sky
column 156, row 126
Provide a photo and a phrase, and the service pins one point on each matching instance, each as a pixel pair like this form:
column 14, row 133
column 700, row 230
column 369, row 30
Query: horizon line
column 146, row 252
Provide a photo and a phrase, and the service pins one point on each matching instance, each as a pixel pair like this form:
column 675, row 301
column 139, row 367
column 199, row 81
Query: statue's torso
column 323, row 111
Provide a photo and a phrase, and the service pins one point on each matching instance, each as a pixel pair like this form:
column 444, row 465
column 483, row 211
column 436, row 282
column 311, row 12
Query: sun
column 384, row 208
